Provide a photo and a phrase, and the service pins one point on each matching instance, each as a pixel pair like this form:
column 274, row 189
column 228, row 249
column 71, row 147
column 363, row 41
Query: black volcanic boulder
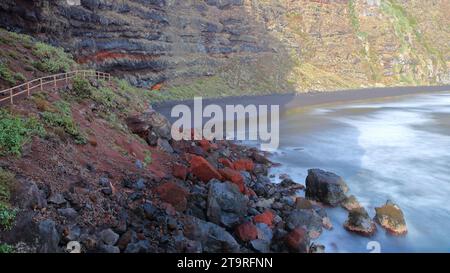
column 226, row 205
column 358, row 221
column 325, row 187
column 308, row 219
column 214, row 239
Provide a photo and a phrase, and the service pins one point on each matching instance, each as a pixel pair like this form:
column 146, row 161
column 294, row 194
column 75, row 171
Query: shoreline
column 294, row 100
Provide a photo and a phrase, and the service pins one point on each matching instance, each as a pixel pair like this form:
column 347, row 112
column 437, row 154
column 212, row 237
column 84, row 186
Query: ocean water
column 395, row 148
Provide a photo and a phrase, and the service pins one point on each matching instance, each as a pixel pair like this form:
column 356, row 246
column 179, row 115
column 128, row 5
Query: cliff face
column 247, row 45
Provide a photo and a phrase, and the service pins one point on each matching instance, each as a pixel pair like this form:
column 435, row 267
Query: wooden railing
column 52, row 80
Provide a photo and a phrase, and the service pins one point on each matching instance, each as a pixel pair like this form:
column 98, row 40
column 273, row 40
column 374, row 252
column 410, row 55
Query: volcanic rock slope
column 215, row 47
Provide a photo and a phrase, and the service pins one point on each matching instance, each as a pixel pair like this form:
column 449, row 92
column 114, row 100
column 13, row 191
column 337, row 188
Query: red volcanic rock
column 234, row 177
column 179, row 171
column 247, row 232
column 203, row 170
column 265, row 217
column 205, row 144
column 244, row 165
column 173, row 194
column 225, row 162
column 297, row 240
column 157, row 87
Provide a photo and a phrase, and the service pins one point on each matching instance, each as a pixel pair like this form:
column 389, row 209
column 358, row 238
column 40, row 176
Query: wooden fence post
column 11, row 96
column 42, row 86
column 54, row 82
column 28, row 88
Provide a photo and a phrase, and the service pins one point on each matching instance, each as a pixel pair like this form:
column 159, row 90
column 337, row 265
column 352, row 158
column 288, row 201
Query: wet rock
column 326, row 223
column 258, row 158
column 303, row 203
column 325, row 187
column 234, row 177
column 246, row 232
column 297, row 240
column 203, row 170
column 48, row 237
column 359, row 222
column 350, row 203
column 226, row 205
column 213, row 238
column 173, row 194
column 260, row 169
column 317, row 248
column 390, row 217
column 109, row 237
column 308, row 219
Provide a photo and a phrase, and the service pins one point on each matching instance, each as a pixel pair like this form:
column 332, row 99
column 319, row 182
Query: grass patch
column 5, row 248
column 7, row 214
column 62, row 117
column 148, row 158
column 82, row 88
column 52, row 59
column 16, row 131
column 6, row 74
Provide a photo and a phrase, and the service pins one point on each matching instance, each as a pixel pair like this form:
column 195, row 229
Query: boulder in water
column 358, row 221
column 325, row 187
column 390, row 217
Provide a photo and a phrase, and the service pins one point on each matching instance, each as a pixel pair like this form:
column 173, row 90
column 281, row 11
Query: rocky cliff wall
column 247, row 45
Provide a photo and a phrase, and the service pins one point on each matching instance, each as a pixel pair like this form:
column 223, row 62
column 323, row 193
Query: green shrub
column 147, row 158
column 62, row 117
column 7, row 216
column 16, row 131
column 52, row 59
column 82, row 88
column 6, row 74
column 105, row 96
column 5, row 248
column 6, row 182
column 19, row 77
